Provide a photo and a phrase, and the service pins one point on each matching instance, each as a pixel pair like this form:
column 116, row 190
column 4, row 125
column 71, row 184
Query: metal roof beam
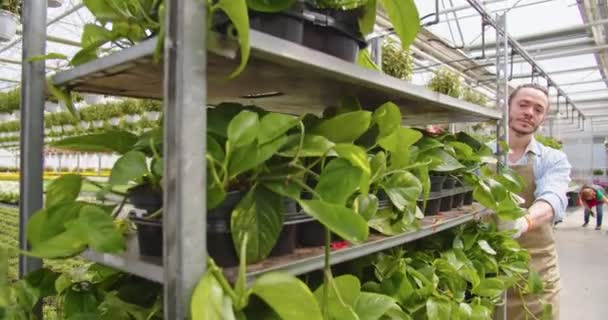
column 546, row 36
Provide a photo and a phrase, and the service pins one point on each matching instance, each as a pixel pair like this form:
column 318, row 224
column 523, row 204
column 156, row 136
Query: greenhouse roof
column 565, row 37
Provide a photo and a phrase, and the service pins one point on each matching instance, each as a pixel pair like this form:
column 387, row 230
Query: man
column 546, row 172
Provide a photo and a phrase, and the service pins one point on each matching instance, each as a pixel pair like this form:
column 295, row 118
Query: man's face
column 527, row 110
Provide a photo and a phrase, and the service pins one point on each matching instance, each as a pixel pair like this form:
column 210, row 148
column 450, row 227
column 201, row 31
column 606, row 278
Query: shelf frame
column 280, row 76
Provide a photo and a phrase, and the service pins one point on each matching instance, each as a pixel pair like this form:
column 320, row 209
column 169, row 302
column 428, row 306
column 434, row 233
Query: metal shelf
column 303, row 260
column 449, row 192
column 130, row 261
column 281, row 76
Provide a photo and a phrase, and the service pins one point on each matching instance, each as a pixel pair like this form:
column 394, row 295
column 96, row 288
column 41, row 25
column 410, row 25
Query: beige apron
column 541, row 245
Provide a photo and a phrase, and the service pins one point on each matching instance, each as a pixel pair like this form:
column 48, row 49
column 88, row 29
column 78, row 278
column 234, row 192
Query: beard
column 522, row 132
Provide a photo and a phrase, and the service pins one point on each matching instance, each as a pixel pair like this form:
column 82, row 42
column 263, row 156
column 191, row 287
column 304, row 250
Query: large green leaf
column 236, row 10
column 341, row 220
column 403, row 15
column 63, row 189
column 214, row 149
column 366, row 205
column 498, row 190
column 259, row 217
column 219, row 117
column 48, row 223
column 95, row 35
column 346, row 127
column 97, row 229
column 298, row 304
column 388, row 119
column 243, row 129
column 342, row 297
column 368, row 19
column 79, row 301
column 481, row 313
column 378, row 166
column 358, row 158
column 274, row 125
column 485, row 246
column 389, row 223
column 338, row 181
column 312, row 146
column 43, row 281
column 439, row 309
column 209, row 301
column 102, row 10
column 399, row 143
column 483, row 194
column 270, row 5
column 403, row 188
column 63, row 245
column 490, row 287
column 535, row 283
column 372, row 306
column 445, row 162
column 130, row 167
column 253, row 155
column 108, row 141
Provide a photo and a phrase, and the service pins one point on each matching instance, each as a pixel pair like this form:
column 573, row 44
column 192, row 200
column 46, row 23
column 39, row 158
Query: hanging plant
column 396, row 61
column 445, row 82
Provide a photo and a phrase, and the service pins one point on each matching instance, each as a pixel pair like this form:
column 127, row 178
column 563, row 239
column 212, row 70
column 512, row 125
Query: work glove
column 519, row 225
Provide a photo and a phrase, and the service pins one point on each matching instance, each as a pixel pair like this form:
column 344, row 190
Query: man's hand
column 520, row 225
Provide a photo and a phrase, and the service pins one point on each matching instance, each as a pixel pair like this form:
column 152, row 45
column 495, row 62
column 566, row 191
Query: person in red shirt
column 593, row 197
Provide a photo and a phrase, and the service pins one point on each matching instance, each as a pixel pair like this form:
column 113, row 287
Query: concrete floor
column 583, row 259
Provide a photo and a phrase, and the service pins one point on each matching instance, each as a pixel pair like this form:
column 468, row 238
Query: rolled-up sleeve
column 552, row 184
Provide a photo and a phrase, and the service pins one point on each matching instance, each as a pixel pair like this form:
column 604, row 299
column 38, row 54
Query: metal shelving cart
column 280, row 76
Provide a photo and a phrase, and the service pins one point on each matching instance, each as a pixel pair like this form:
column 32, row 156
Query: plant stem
column 102, row 187
column 327, row 275
column 301, row 145
column 155, row 214
column 219, row 276
column 122, row 204
column 525, row 305
column 305, row 169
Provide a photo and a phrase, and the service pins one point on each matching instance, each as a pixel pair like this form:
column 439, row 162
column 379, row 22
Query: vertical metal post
column 32, row 123
column 502, row 92
column 376, row 50
column 502, row 87
column 184, row 218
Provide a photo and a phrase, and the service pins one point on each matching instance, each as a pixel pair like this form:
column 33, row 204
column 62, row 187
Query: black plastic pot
column 288, row 25
column 457, row 200
column 224, row 209
column 383, row 204
column 437, row 183
column 219, row 243
column 311, row 234
column 468, row 198
column 335, row 32
column 446, row 203
column 449, row 183
column 145, row 197
column 149, row 236
column 432, row 207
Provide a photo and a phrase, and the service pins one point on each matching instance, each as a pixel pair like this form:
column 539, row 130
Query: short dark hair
column 535, row 86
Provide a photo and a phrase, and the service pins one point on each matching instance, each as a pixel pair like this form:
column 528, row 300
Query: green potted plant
column 475, row 97
column 9, row 18
column 598, row 172
column 396, row 61
column 445, row 82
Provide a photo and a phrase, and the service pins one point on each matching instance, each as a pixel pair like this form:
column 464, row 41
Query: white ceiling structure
column 567, row 38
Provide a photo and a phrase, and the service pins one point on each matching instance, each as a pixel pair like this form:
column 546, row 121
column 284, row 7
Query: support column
column 32, row 123
column 184, row 218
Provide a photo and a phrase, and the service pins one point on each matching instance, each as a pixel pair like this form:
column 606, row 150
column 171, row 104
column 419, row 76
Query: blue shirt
column 552, row 175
